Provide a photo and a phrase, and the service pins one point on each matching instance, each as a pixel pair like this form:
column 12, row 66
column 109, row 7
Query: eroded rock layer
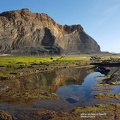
column 27, row 33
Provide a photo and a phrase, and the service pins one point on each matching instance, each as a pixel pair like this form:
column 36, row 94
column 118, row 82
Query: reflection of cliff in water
column 70, row 76
column 47, row 81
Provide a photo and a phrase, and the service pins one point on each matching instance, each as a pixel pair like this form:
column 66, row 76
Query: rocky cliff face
column 24, row 32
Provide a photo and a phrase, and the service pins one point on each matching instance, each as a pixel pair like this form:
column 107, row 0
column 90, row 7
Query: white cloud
column 112, row 9
column 109, row 13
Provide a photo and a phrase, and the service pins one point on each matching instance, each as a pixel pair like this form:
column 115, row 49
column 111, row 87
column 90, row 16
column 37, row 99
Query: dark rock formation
column 24, row 32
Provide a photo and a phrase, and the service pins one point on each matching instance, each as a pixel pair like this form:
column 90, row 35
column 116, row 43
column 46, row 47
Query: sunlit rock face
column 24, row 32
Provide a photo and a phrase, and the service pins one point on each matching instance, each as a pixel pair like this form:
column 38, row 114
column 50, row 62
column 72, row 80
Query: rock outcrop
column 24, row 32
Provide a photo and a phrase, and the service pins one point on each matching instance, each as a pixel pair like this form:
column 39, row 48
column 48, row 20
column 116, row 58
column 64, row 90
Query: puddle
column 83, row 95
column 72, row 85
column 2, row 87
column 79, row 93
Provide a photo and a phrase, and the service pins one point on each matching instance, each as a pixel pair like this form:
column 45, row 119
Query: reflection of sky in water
column 83, row 94
column 116, row 89
column 79, row 92
column 2, row 87
column 70, row 96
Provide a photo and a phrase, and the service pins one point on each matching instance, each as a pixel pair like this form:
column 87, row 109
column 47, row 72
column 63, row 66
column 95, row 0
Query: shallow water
column 73, row 86
column 81, row 94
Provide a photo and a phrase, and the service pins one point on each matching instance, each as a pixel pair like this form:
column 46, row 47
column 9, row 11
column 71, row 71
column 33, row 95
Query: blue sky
column 99, row 18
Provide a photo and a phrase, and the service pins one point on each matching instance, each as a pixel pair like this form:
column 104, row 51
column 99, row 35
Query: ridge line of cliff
column 24, row 32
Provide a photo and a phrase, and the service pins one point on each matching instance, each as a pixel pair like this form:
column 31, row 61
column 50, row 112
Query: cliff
column 27, row 33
